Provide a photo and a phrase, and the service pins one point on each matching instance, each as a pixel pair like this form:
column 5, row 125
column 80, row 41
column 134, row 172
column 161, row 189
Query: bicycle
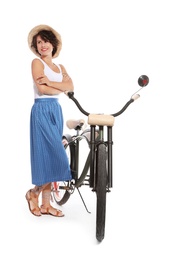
column 97, row 171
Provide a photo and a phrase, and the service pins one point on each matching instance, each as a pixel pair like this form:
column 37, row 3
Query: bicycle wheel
column 61, row 191
column 101, row 181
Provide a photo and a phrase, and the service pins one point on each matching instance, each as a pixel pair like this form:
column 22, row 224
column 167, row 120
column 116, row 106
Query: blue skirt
column 49, row 162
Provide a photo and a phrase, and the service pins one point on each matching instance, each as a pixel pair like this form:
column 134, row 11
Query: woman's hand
column 43, row 80
column 65, row 77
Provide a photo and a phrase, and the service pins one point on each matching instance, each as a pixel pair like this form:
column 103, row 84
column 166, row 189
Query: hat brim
column 39, row 28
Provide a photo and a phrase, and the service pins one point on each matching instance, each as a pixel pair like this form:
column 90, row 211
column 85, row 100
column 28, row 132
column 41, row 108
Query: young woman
column 49, row 162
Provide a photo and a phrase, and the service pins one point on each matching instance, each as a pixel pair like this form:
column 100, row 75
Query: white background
column 107, row 45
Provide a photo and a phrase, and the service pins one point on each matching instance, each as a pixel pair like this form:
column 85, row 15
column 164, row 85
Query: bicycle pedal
column 64, row 187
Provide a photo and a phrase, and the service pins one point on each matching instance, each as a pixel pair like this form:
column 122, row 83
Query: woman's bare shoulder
column 36, row 61
column 62, row 68
column 37, row 64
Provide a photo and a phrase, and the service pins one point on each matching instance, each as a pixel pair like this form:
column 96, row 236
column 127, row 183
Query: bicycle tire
column 101, row 181
column 61, row 191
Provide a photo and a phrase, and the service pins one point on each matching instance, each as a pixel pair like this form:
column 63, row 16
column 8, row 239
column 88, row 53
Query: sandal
column 50, row 211
column 33, row 207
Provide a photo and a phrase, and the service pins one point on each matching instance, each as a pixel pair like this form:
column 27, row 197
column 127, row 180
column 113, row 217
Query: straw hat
column 39, row 28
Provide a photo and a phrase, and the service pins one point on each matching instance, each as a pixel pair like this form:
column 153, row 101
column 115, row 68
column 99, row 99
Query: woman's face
column 44, row 48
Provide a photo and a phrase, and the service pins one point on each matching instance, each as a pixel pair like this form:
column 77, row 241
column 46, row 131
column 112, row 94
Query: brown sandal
column 48, row 211
column 30, row 199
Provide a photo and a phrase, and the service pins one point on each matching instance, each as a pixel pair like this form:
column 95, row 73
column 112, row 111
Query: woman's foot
column 32, row 200
column 51, row 211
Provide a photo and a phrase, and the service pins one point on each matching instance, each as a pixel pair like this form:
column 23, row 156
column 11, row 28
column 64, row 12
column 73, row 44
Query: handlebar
column 142, row 81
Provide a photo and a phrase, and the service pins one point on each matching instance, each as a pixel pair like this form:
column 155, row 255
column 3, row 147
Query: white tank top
column 52, row 76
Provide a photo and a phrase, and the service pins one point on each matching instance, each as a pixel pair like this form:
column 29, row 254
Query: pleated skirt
column 49, row 161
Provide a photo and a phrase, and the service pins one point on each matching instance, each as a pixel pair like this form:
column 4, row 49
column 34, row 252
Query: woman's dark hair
column 47, row 36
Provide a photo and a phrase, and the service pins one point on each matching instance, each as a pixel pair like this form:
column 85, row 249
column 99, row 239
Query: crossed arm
column 47, row 87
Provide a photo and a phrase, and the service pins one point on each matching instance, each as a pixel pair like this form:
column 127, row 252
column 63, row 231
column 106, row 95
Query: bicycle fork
column 94, row 142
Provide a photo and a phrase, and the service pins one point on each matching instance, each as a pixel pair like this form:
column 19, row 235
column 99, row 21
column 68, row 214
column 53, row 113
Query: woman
column 49, row 162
